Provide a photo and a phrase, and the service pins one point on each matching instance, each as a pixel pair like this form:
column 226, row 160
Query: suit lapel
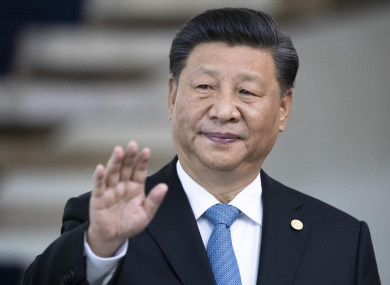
column 281, row 246
column 175, row 230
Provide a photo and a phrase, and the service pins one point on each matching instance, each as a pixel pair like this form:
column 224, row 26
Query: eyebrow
column 209, row 71
column 213, row 72
column 249, row 77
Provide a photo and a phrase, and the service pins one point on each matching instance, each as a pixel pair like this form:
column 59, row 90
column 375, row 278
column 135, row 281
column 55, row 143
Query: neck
column 222, row 184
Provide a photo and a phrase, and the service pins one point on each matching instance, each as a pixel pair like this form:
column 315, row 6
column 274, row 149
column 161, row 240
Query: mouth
column 222, row 138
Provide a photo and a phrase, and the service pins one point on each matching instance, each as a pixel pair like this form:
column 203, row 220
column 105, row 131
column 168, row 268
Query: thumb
column 154, row 199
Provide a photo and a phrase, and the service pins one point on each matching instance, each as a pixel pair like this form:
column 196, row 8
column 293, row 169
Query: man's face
column 226, row 109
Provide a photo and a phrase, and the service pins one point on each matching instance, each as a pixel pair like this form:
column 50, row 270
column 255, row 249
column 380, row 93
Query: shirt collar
column 248, row 201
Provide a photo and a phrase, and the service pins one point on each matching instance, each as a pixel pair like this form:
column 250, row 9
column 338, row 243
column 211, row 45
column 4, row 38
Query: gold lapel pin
column 296, row 225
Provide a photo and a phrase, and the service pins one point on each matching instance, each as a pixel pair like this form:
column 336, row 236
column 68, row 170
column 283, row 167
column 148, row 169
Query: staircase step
column 80, row 52
column 83, row 121
column 169, row 12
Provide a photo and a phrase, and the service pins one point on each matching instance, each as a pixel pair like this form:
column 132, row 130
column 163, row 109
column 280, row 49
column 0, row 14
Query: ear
column 285, row 109
column 172, row 96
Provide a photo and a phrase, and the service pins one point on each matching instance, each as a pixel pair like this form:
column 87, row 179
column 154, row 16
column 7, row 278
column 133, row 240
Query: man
column 230, row 92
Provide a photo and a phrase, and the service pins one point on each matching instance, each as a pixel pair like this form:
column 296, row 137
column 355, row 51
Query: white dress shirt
column 245, row 231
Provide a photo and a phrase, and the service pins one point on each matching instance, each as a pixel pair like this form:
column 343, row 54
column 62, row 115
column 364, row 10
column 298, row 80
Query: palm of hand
column 119, row 208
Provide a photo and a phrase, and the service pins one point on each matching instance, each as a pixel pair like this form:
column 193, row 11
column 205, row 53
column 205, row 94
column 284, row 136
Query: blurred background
column 78, row 77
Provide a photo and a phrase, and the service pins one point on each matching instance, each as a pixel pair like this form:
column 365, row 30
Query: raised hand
column 119, row 208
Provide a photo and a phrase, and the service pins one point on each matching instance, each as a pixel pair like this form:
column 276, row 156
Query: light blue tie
column 219, row 248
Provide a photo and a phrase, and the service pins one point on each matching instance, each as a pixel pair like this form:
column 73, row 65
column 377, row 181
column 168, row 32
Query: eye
column 203, row 86
column 246, row 92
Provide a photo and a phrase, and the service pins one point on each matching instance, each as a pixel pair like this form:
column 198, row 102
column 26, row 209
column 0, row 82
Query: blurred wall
column 337, row 144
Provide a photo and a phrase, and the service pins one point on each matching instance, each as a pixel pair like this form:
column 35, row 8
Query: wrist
column 102, row 246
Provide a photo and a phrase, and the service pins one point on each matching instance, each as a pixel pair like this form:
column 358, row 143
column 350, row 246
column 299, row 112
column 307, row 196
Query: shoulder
column 76, row 212
column 318, row 210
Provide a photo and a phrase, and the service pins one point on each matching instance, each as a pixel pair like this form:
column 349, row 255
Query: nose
column 224, row 108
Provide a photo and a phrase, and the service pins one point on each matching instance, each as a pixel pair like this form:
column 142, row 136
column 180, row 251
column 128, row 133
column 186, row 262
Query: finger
column 154, row 199
column 141, row 166
column 98, row 178
column 113, row 167
column 129, row 161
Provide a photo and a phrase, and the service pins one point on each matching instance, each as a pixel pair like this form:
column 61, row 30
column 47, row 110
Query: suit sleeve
column 367, row 270
column 63, row 261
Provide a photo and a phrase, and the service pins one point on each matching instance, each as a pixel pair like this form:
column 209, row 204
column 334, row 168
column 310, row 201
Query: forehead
column 219, row 58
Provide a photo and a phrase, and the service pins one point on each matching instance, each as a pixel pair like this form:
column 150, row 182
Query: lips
column 222, row 138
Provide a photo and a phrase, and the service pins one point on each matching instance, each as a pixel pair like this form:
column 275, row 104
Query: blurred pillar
column 15, row 14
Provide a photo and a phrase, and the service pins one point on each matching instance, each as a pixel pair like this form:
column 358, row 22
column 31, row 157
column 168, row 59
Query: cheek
column 190, row 112
column 262, row 121
column 184, row 117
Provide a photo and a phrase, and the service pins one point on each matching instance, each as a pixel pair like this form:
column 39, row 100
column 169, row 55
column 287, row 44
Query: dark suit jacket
column 333, row 248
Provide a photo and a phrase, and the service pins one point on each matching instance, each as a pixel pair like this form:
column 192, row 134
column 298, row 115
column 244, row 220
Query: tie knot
column 222, row 214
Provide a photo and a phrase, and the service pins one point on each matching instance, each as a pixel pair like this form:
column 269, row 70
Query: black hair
column 237, row 26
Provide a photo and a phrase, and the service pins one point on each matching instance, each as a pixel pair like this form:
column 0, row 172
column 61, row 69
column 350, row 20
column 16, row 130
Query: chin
column 219, row 163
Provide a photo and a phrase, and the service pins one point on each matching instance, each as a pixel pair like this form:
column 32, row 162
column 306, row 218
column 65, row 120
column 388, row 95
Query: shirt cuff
column 101, row 269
